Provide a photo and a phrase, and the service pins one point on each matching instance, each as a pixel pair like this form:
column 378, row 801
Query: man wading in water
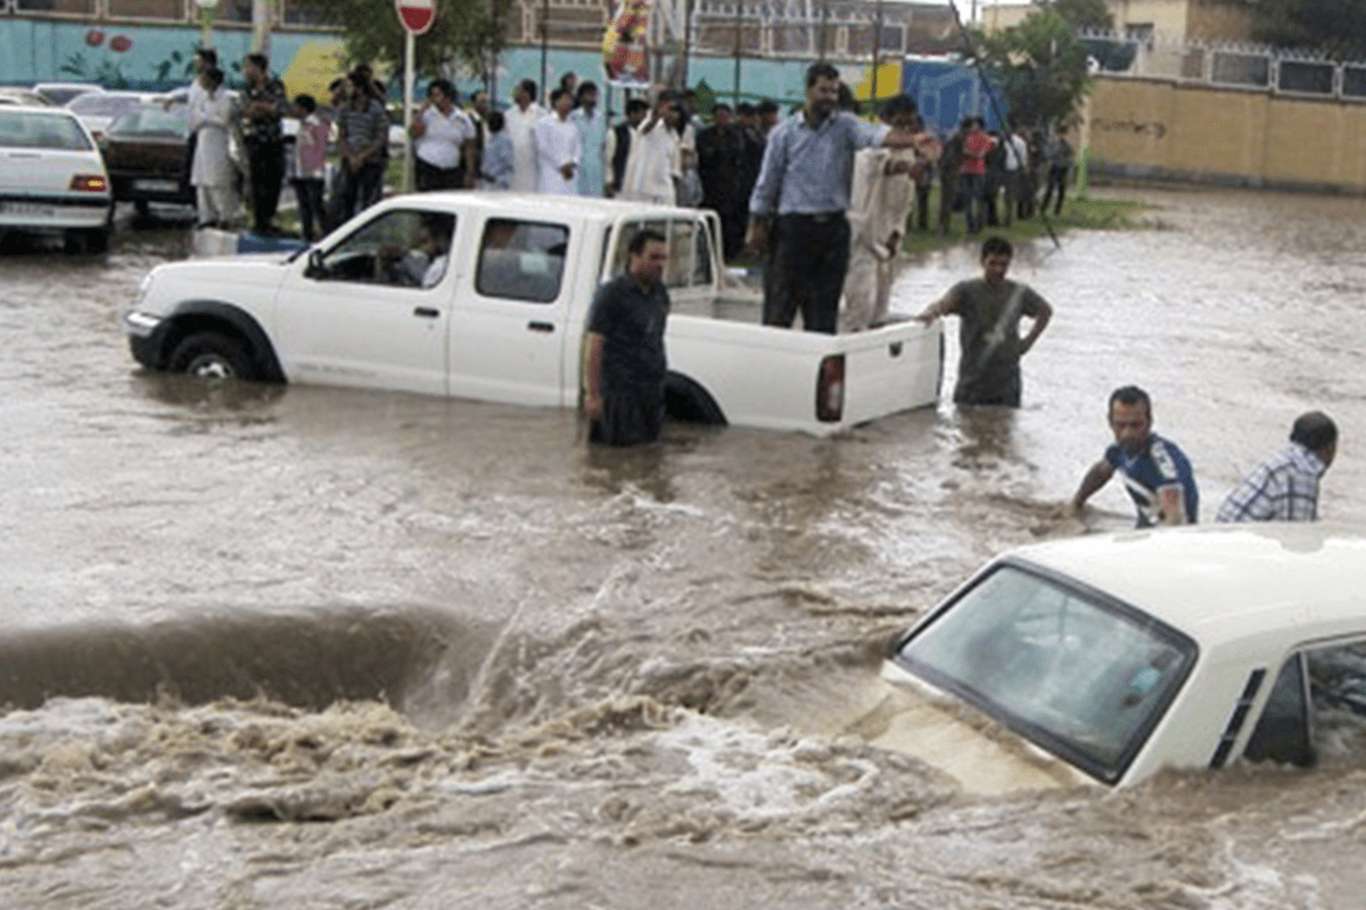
column 624, row 377
column 989, row 310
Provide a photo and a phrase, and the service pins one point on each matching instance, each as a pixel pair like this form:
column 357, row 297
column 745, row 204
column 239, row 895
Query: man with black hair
column 521, row 121
column 720, row 166
column 444, row 150
column 619, row 143
column 1156, row 473
column 264, row 106
column 625, row 361
column 362, row 136
column 989, row 310
column 205, row 58
column 800, row 201
column 559, row 147
column 1285, row 487
column 769, row 115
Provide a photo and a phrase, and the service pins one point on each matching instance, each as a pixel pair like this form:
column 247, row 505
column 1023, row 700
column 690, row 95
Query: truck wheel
column 142, row 207
column 212, row 355
column 97, row 241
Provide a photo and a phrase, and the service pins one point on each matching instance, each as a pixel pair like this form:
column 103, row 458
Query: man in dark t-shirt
column 626, row 364
column 989, row 310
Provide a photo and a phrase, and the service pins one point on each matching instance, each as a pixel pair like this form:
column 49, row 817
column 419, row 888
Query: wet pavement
column 307, row 647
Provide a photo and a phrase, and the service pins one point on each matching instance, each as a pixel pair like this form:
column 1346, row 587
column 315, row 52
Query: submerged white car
column 1108, row 658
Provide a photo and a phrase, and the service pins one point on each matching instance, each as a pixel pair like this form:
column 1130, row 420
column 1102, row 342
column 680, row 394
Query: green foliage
column 466, row 35
column 1039, row 66
column 1335, row 26
column 1092, row 14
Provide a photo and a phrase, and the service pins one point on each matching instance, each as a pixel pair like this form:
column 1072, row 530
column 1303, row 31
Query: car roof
column 1226, row 583
column 550, row 205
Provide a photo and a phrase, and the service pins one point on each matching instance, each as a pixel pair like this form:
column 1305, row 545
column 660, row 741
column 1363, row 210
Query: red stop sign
column 417, row 16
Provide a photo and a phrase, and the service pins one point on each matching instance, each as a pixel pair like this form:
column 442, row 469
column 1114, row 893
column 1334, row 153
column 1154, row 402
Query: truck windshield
column 1083, row 677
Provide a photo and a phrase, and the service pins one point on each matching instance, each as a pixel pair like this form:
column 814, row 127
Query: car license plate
column 28, row 209
column 156, row 186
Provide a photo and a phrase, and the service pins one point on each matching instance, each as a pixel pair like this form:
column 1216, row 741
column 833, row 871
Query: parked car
column 60, row 94
column 1108, row 658
column 52, row 178
column 506, row 321
column 145, row 153
column 99, row 109
column 22, row 96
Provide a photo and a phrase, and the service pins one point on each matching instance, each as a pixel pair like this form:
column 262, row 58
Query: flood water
column 300, row 647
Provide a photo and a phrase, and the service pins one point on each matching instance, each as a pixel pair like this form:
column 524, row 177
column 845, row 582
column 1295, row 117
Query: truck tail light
column 89, row 183
column 830, row 389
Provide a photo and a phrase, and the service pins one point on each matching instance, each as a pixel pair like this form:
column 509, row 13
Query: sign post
column 417, row 18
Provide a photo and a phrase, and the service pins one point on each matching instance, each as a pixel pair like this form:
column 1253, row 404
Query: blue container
column 255, row 243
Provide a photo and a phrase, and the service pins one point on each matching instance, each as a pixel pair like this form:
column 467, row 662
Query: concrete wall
column 1162, row 129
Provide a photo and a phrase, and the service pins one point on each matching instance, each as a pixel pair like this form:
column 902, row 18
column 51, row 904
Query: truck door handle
column 535, row 326
column 426, row 312
column 894, row 349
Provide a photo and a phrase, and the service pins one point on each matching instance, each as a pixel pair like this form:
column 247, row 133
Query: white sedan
column 52, row 178
column 1108, row 658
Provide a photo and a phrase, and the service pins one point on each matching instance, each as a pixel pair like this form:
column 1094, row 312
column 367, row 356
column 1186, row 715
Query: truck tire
column 687, row 401
column 212, row 355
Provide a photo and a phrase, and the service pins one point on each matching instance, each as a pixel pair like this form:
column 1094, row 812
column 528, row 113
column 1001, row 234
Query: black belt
column 815, row 217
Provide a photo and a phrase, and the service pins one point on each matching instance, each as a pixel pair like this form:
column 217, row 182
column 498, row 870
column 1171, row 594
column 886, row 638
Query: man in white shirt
column 1017, row 173
column 559, row 147
column 444, row 146
column 520, row 122
column 592, row 126
column 653, row 163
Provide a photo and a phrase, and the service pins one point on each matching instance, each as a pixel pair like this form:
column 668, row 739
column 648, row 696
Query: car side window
column 1282, row 732
column 406, row 248
column 522, row 260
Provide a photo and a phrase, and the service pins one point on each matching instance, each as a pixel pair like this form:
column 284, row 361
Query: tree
column 1336, row 27
column 467, row 33
column 1039, row 66
column 1087, row 14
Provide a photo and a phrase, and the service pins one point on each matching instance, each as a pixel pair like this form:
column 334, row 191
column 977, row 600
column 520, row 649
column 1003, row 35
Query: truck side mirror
column 315, row 268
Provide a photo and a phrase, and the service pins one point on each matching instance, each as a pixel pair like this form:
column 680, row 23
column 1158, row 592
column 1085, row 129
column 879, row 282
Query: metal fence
column 1251, row 67
column 284, row 13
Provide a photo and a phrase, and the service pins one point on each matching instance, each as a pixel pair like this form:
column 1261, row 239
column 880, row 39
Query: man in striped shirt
column 1285, row 487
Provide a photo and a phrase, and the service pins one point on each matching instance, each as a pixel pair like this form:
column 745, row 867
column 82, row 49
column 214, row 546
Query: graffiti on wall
column 1138, row 128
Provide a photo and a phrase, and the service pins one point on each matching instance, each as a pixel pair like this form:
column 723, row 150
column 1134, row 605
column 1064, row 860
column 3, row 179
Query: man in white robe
column 654, row 162
column 592, row 126
column 559, row 148
column 880, row 199
column 520, row 122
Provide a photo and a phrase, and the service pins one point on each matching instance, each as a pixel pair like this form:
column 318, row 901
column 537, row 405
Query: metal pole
column 491, row 77
column 739, row 24
column 825, row 10
column 687, row 39
column 877, row 50
column 260, row 26
column 545, row 48
column 409, row 64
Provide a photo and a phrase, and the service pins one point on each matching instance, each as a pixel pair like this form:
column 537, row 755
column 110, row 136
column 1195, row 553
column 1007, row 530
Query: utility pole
column 260, row 26
column 687, row 39
column 739, row 26
column 207, row 10
column 545, row 47
column 877, row 51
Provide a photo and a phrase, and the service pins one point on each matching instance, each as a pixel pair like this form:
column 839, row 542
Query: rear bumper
column 151, row 188
column 54, row 212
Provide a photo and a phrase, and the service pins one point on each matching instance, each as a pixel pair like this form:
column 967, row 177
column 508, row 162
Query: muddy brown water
column 317, row 648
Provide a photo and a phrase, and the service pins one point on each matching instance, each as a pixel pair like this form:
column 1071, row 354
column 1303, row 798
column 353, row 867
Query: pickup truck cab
column 504, row 319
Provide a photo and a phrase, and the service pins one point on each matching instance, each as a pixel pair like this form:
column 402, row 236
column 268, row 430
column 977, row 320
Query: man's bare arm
column 944, row 306
column 1040, row 323
column 1097, row 477
column 1172, row 500
column 592, row 377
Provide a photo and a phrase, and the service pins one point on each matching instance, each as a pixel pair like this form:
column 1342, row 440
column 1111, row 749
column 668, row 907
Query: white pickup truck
column 505, row 320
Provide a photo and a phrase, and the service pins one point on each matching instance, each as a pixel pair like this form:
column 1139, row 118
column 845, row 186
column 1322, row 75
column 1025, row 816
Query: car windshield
column 99, row 104
column 36, row 130
column 153, row 120
column 1079, row 675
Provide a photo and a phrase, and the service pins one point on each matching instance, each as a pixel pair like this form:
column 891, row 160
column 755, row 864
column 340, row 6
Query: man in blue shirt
column 801, row 198
column 1156, row 472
